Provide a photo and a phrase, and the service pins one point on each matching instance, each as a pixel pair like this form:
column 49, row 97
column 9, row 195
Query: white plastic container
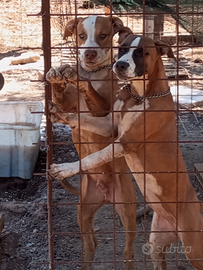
column 19, row 129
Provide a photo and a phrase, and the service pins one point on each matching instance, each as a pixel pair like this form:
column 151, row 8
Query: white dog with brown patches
column 94, row 41
column 147, row 138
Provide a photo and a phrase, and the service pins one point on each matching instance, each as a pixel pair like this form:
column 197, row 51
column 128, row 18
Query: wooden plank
column 182, row 38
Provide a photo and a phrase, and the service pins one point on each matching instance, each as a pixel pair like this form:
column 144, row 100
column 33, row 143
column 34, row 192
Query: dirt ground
column 24, row 241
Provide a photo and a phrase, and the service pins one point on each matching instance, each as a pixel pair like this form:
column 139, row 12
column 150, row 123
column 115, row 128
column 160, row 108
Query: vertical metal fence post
column 46, row 43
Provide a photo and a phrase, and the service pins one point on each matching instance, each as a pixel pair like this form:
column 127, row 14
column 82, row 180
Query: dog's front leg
column 99, row 125
column 64, row 170
column 57, row 115
column 96, row 103
column 64, row 91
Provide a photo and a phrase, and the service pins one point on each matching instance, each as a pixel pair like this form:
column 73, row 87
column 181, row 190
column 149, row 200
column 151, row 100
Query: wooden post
column 158, row 26
column 149, row 26
column 154, row 26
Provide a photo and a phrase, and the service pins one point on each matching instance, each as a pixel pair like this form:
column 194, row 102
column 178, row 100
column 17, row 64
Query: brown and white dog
column 94, row 38
column 147, row 138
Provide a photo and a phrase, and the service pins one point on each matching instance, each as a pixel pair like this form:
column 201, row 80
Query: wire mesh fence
column 141, row 21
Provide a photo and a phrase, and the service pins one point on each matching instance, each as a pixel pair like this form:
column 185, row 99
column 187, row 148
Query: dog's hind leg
column 190, row 222
column 125, row 193
column 90, row 201
column 161, row 241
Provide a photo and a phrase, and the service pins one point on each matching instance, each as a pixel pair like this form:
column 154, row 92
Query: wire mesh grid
column 96, row 180
column 66, row 246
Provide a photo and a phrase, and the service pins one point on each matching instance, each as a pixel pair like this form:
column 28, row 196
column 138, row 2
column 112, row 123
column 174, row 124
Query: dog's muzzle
column 121, row 66
column 124, row 71
column 90, row 55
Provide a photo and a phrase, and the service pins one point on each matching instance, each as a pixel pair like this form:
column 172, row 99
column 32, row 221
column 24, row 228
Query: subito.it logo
column 147, row 249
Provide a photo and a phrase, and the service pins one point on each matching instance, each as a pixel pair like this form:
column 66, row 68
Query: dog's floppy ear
column 70, row 28
column 164, row 48
column 123, row 32
column 117, row 24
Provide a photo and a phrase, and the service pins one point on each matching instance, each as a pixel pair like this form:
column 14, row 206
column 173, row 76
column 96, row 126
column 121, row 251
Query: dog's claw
column 50, row 105
column 61, row 74
column 54, row 76
column 56, row 172
column 53, row 111
column 56, row 115
column 53, row 108
column 54, row 119
column 68, row 73
column 64, row 170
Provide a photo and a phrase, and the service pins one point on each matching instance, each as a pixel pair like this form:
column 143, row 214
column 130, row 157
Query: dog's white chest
column 96, row 84
column 130, row 116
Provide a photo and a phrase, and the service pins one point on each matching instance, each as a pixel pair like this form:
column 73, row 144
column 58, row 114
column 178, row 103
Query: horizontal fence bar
column 140, row 14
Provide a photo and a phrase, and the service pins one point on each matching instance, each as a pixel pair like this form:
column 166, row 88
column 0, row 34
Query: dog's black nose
column 121, row 65
column 90, row 54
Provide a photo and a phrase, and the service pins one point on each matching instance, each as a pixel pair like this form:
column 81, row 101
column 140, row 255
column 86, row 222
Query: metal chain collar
column 96, row 70
column 127, row 87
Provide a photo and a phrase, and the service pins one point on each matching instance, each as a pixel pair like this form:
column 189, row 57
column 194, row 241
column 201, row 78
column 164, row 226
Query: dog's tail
column 70, row 188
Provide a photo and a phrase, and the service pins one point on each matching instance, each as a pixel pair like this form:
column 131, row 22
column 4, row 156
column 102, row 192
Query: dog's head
column 138, row 55
column 94, row 38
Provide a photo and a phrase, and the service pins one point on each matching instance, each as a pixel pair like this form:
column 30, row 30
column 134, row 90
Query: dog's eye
column 121, row 51
column 139, row 54
column 82, row 36
column 102, row 36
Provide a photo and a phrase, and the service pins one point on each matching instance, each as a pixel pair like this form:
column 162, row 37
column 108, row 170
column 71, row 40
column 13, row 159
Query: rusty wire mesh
column 167, row 29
